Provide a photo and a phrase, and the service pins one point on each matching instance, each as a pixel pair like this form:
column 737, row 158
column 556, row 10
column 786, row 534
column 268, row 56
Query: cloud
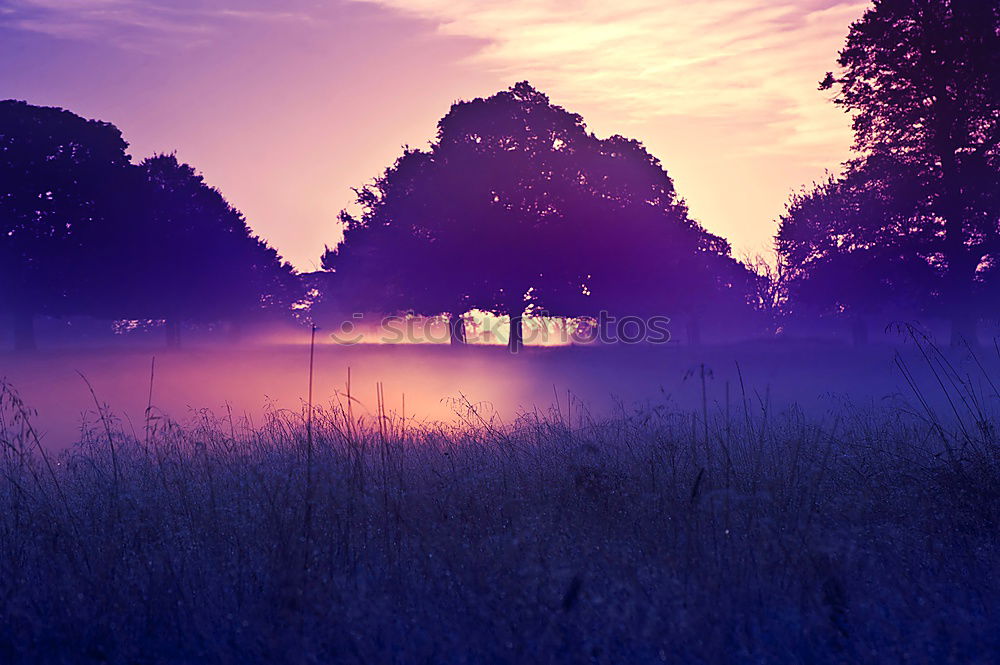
column 750, row 63
column 746, row 66
column 142, row 25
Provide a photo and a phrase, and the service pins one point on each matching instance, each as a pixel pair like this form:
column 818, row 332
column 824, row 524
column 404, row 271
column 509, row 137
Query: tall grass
column 731, row 535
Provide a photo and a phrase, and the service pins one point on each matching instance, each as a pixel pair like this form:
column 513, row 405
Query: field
column 608, row 506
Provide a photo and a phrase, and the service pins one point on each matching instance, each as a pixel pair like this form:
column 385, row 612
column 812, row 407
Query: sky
column 286, row 105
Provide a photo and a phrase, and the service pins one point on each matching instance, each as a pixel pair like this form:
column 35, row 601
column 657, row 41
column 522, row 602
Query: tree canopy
column 922, row 80
column 83, row 231
column 59, row 174
column 200, row 260
column 854, row 243
column 517, row 207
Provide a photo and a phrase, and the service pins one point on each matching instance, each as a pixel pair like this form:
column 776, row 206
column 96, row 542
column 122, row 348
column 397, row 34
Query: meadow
column 727, row 528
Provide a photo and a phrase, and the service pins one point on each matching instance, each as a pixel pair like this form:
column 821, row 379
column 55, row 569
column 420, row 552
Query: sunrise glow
column 287, row 105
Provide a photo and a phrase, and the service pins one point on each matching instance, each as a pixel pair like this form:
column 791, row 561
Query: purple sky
column 287, row 104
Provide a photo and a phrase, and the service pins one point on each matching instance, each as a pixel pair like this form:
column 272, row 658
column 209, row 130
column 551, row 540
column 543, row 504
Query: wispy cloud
column 748, row 66
column 134, row 24
column 752, row 62
column 723, row 91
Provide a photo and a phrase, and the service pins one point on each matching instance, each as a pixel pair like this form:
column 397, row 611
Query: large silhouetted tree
column 85, row 232
column 475, row 221
column 514, row 160
column 922, row 78
column 516, row 205
column 194, row 256
column 59, row 174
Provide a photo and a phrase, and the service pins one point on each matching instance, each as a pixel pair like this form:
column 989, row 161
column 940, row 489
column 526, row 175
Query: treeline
column 515, row 208
column 85, row 232
column 912, row 224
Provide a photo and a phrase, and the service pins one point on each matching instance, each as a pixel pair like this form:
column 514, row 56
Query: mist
column 438, row 383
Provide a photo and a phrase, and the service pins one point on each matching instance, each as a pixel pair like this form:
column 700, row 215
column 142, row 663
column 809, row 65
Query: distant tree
column 515, row 160
column 768, row 290
column 194, row 257
column 855, row 245
column 85, row 232
column 59, row 174
column 516, row 207
column 471, row 222
column 922, row 78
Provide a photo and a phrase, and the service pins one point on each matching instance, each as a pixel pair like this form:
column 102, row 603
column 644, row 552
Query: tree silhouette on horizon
column 922, row 81
column 516, row 207
column 59, row 174
column 196, row 257
column 854, row 247
column 83, row 231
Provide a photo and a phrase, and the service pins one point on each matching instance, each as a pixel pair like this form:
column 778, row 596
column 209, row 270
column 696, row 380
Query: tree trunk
column 173, row 328
column 24, row 331
column 963, row 330
column 515, row 340
column 456, row 324
column 859, row 331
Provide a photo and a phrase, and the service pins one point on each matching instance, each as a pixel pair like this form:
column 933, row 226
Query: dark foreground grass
column 645, row 537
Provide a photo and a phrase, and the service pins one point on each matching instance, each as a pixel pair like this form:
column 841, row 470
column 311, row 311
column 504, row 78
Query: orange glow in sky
column 287, row 104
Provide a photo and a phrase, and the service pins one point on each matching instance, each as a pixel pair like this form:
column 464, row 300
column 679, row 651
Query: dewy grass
column 649, row 536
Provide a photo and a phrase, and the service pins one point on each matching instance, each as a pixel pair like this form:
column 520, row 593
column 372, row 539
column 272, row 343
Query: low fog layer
column 433, row 382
